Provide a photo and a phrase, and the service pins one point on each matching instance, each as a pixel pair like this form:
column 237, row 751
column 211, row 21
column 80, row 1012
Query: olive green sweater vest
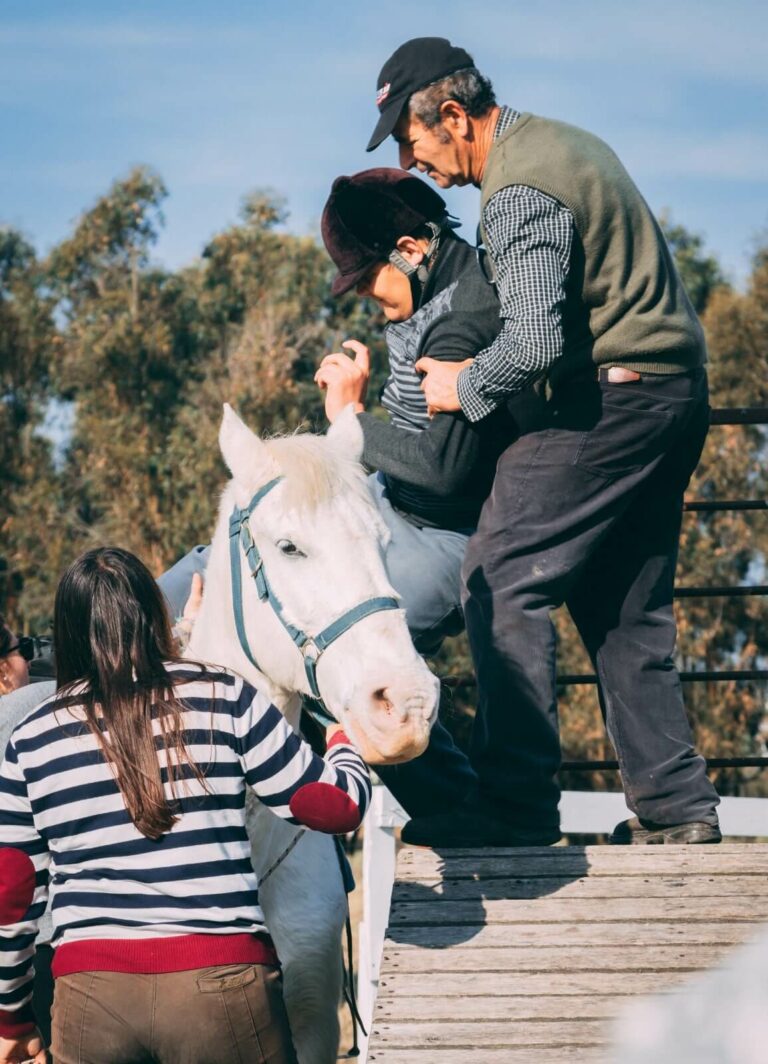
column 625, row 304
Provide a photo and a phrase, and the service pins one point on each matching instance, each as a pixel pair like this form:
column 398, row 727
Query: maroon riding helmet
column 367, row 213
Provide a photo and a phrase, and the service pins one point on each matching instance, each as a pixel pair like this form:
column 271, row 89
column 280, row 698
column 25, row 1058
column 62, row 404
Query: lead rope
column 288, row 849
column 350, row 995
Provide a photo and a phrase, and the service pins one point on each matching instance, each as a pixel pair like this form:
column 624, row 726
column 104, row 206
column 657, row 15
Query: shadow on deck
column 530, row 955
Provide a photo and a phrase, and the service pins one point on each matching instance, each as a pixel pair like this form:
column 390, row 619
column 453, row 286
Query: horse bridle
column 311, row 647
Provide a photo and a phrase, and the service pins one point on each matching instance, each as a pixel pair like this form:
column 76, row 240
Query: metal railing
column 721, row 416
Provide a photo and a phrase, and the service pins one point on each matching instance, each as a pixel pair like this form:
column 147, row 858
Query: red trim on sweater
column 17, row 1024
column 338, row 737
column 17, row 885
column 323, row 807
column 155, row 956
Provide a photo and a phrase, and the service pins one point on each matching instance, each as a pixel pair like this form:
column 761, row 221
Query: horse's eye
column 290, row 550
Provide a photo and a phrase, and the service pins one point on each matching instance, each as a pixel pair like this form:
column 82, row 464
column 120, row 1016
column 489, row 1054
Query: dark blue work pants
column 587, row 512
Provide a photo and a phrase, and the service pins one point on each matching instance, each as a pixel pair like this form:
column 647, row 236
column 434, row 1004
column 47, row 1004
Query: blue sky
column 222, row 97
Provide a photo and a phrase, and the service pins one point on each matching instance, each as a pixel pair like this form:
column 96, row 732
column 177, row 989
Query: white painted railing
column 581, row 812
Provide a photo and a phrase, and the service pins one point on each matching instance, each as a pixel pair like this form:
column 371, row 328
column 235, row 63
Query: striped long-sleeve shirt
column 121, row 901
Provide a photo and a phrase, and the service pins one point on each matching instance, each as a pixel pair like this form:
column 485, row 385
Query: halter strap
column 311, row 647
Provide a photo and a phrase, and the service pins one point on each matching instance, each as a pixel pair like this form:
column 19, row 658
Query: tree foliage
column 700, row 271
column 146, row 356
column 28, row 489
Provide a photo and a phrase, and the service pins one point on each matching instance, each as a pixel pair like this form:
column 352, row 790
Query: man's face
column 440, row 152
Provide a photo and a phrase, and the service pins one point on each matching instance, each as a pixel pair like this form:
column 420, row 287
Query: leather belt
column 617, row 375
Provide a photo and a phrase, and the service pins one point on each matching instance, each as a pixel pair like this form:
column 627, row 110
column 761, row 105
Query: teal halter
column 311, row 647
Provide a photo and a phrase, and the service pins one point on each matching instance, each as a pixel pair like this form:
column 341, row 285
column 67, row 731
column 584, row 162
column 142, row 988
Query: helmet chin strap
column 417, row 275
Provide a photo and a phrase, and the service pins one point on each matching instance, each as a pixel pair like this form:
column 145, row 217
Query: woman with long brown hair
column 124, row 795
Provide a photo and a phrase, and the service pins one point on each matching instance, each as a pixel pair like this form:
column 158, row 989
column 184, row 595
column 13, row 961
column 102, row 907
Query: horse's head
column 320, row 539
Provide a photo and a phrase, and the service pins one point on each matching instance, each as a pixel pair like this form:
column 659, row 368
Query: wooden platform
column 526, row 955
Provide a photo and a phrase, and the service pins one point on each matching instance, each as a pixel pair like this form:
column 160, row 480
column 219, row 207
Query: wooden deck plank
column 491, row 1055
column 397, row 1009
column 529, row 955
column 557, row 909
column 635, row 933
column 559, row 862
column 553, row 959
column 489, row 1033
column 415, row 853
column 639, row 886
column 410, row 987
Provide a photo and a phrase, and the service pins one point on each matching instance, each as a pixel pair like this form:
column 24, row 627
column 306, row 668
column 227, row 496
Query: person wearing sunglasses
column 18, row 695
column 20, row 690
column 15, row 654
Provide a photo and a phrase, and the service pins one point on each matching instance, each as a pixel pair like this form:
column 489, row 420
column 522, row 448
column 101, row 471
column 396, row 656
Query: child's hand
column 345, row 379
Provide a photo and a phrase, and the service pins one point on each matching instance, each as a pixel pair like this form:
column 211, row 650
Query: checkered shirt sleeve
column 529, row 237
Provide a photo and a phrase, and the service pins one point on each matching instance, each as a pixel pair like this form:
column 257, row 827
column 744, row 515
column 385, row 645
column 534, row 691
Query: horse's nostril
column 382, row 700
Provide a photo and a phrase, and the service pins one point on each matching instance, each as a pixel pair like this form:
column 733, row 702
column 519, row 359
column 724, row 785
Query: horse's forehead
column 353, row 514
column 343, row 517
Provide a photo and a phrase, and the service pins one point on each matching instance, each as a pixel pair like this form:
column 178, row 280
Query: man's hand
column 28, row 1047
column 345, row 379
column 439, row 384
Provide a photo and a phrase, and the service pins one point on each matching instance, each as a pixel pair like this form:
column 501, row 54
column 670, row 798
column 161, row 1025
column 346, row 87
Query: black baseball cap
column 367, row 213
column 415, row 64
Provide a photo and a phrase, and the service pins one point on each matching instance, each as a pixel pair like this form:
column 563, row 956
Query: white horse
column 320, row 539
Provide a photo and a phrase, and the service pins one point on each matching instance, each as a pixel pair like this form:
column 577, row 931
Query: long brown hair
column 112, row 634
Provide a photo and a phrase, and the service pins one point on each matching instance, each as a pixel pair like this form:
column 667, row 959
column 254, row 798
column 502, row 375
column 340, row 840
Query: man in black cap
column 585, row 511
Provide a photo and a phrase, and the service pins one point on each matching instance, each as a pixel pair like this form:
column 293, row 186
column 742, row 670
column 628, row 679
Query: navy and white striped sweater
column 121, row 901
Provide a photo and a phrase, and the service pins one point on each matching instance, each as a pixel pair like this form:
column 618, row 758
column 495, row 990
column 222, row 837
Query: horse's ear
column 248, row 459
column 346, row 434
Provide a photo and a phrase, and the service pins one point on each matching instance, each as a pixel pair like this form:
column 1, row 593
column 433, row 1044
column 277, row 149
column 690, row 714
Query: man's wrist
column 473, row 405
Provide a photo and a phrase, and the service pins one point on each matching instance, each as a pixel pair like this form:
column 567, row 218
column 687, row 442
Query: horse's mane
column 315, row 470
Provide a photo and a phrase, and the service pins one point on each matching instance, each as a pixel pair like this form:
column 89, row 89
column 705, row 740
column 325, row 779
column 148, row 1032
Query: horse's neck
column 214, row 636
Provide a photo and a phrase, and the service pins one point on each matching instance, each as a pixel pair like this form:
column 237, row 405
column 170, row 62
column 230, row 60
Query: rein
column 311, row 647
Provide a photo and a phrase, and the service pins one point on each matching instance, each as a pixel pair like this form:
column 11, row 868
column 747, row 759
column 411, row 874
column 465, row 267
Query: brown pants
column 228, row 1014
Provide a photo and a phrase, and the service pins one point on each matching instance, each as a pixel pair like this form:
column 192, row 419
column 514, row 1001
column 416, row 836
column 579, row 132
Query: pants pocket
column 625, row 440
column 225, row 977
column 252, row 1002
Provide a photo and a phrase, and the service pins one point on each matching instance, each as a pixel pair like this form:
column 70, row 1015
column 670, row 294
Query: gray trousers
column 424, row 568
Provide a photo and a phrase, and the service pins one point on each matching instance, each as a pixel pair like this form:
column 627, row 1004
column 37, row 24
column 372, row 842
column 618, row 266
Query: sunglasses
column 26, row 646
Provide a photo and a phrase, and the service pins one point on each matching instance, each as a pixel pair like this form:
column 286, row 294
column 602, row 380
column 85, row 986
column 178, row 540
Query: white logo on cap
column 382, row 94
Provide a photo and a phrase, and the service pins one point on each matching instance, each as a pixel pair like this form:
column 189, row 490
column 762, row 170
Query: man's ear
column 454, row 118
column 411, row 249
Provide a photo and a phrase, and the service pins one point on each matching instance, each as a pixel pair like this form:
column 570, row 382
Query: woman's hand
column 28, row 1048
column 345, row 379
column 195, row 600
column 184, row 624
